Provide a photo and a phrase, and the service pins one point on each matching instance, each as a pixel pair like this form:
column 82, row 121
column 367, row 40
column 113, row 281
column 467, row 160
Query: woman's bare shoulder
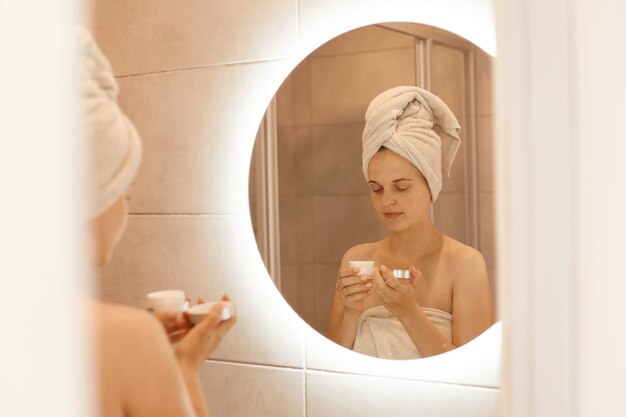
column 122, row 319
column 118, row 327
column 463, row 260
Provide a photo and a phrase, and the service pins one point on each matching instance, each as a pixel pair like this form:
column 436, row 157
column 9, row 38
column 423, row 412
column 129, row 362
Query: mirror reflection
column 313, row 210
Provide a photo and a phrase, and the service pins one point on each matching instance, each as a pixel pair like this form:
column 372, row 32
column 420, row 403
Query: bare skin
column 139, row 373
column 446, row 275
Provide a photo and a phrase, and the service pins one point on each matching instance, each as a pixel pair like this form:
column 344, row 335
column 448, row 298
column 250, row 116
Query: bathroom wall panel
column 143, row 36
column 193, row 138
column 316, row 27
column 484, row 83
column 325, row 280
column 333, row 177
column 332, row 394
column 448, row 77
column 293, row 98
column 243, row 390
column 207, row 256
column 344, row 227
column 344, row 85
column 450, row 218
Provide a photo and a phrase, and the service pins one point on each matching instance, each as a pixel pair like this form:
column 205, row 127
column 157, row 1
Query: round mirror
column 309, row 200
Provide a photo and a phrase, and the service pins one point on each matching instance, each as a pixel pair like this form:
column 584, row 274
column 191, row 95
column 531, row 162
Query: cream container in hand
column 199, row 311
column 366, row 268
column 401, row 273
column 168, row 300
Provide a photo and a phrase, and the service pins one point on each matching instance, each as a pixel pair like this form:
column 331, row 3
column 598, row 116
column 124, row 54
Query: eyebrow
column 398, row 180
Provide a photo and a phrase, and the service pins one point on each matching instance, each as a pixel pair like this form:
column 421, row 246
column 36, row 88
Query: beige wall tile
column 330, row 394
column 297, row 229
column 342, row 222
column 198, row 128
column 343, row 86
column 295, row 161
column 369, row 38
column 289, row 283
column 337, row 163
column 450, row 216
column 290, row 223
column 325, row 278
column 448, row 77
column 141, row 36
column 306, row 292
column 207, row 256
column 485, row 162
column 234, row 390
column 293, row 97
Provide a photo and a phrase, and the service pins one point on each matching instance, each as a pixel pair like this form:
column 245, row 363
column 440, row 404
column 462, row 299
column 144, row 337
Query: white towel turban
column 403, row 120
column 112, row 142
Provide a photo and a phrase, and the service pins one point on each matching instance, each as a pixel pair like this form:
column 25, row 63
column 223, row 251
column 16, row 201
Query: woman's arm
column 472, row 306
column 196, row 346
column 342, row 324
column 138, row 374
column 348, row 303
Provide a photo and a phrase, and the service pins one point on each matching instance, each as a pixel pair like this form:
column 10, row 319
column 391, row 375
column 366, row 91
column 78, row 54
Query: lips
column 392, row 214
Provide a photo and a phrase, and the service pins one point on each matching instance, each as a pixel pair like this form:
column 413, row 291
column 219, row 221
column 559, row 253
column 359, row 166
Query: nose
column 388, row 200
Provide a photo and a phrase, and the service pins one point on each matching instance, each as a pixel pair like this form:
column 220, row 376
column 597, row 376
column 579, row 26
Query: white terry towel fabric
column 112, row 142
column 403, row 120
column 381, row 334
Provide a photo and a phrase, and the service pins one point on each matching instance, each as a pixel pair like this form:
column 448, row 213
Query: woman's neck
column 415, row 243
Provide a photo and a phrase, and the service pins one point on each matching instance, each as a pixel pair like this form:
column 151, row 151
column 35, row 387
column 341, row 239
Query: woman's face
column 399, row 191
column 108, row 229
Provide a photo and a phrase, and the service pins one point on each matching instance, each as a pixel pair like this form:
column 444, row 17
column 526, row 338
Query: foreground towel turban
column 112, row 142
column 403, row 120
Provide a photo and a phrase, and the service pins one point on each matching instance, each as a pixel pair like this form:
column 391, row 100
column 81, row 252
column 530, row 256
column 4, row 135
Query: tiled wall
column 192, row 76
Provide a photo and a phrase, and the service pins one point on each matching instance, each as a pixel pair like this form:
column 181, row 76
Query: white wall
column 42, row 355
column 561, row 87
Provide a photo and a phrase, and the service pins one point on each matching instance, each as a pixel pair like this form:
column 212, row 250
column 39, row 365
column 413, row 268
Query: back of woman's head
column 111, row 141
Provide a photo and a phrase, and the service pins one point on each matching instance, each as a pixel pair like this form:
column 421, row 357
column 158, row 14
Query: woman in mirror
column 139, row 373
column 410, row 136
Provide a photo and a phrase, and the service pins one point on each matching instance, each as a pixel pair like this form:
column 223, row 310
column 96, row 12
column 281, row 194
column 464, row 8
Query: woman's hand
column 204, row 337
column 176, row 325
column 353, row 289
column 398, row 296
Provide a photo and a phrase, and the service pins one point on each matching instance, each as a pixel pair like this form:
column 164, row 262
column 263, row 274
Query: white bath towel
column 403, row 120
column 381, row 334
column 112, row 142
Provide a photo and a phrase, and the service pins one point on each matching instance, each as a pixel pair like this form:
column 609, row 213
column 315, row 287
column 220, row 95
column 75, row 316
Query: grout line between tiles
column 253, row 364
column 325, row 371
column 200, row 67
